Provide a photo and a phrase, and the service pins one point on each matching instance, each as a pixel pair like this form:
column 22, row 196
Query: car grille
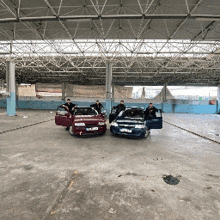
column 126, row 125
column 91, row 125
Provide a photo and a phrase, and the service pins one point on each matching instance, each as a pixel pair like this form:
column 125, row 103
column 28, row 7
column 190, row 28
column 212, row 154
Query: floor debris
column 70, row 185
column 208, row 187
column 170, row 180
column 112, row 211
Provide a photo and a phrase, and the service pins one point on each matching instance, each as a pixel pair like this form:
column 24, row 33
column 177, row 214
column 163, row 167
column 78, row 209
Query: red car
column 82, row 121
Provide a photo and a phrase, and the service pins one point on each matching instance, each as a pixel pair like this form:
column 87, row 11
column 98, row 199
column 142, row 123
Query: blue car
column 130, row 122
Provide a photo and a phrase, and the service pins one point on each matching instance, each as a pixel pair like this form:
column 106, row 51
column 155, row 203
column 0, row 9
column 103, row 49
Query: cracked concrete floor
column 47, row 174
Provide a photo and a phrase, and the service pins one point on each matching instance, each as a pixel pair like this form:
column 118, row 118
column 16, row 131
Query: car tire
column 71, row 130
column 67, row 128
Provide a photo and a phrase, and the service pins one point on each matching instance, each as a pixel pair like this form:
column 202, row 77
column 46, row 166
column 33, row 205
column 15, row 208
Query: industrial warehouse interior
column 151, row 151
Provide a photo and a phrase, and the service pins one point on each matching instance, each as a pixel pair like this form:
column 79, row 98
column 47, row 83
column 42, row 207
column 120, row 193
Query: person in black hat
column 69, row 105
column 97, row 106
column 150, row 112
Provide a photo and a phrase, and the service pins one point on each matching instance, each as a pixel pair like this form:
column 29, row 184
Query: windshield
column 133, row 113
column 61, row 111
column 85, row 111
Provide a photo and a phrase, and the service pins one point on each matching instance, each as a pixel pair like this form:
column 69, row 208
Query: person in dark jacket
column 69, row 105
column 97, row 106
column 120, row 107
column 150, row 112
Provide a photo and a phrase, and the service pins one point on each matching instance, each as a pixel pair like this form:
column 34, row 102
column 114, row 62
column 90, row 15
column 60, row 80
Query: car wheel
column 67, row 128
column 71, row 130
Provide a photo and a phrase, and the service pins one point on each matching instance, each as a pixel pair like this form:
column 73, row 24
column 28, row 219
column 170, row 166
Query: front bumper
column 83, row 131
column 135, row 132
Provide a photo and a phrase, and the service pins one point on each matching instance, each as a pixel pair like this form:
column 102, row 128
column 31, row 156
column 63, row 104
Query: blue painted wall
column 167, row 107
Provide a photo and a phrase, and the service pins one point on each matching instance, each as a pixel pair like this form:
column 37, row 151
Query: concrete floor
column 47, row 174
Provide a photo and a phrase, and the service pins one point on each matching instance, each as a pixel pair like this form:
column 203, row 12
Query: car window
column 61, row 111
column 134, row 113
column 85, row 111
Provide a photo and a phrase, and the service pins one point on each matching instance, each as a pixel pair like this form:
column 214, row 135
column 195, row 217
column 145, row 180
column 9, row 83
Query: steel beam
column 88, row 18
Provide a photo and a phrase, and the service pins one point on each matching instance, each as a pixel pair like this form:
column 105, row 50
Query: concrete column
column 63, row 90
column 113, row 91
column 165, row 93
column 11, row 88
column 108, row 100
column 1, row 83
column 7, row 76
column 16, row 86
column 218, row 99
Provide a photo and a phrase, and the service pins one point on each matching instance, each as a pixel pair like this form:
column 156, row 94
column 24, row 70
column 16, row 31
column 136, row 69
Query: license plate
column 126, row 130
column 92, row 129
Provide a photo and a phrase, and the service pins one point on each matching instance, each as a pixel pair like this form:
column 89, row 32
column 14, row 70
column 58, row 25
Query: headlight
column 101, row 123
column 79, row 124
column 114, row 124
column 139, row 126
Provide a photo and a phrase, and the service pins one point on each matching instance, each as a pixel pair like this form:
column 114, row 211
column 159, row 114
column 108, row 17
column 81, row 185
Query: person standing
column 97, row 106
column 69, row 105
column 120, row 107
column 150, row 112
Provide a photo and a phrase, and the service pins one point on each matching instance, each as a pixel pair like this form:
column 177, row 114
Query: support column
column 218, row 99
column 10, row 81
column 113, row 91
column 164, row 98
column 1, row 83
column 165, row 93
column 108, row 100
column 63, row 90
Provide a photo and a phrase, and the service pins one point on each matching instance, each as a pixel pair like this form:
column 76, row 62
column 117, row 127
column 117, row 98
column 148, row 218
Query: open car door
column 103, row 113
column 155, row 123
column 62, row 117
column 112, row 115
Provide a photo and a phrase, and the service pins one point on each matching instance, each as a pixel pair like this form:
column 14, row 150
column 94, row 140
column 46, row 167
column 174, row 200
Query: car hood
column 130, row 120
